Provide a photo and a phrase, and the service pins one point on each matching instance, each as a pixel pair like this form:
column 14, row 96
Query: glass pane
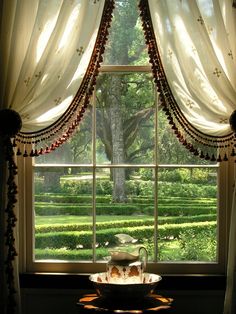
column 124, row 210
column 171, row 151
column 126, row 43
column 125, row 107
column 78, row 149
column 63, row 213
column 187, row 209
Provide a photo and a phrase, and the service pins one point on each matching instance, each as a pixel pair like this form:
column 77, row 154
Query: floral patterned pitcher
column 125, row 267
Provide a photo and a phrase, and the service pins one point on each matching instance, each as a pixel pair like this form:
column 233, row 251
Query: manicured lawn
column 169, row 250
column 72, row 219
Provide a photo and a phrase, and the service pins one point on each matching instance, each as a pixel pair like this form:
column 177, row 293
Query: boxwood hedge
column 123, row 223
column 73, row 239
column 46, row 209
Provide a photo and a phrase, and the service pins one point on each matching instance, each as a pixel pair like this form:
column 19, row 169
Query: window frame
column 27, row 264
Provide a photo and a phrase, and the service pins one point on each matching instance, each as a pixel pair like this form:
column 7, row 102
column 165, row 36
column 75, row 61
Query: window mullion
column 156, row 244
column 94, row 174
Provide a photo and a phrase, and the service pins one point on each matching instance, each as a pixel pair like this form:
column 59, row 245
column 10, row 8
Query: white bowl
column 124, row 290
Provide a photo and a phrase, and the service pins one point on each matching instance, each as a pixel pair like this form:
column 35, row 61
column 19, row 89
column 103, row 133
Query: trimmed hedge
column 123, row 223
column 71, row 239
column 82, row 210
column 121, row 209
column 99, row 226
column 140, row 188
column 68, row 199
column 65, row 254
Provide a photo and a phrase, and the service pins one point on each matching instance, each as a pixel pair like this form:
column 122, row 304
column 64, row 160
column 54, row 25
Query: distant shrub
column 146, row 174
column 76, row 186
column 104, row 187
column 39, row 185
column 197, row 246
column 184, row 175
column 167, row 189
column 169, row 175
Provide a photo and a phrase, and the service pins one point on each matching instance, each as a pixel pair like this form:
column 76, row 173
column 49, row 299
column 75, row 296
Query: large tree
column 116, row 128
column 125, row 107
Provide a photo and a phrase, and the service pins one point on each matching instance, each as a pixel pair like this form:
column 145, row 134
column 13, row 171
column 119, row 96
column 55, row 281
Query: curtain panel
column 192, row 49
column 49, row 59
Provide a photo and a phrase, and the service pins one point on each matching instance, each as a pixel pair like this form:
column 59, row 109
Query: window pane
column 171, row 151
column 78, row 149
column 124, row 210
column 187, row 209
column 126, row 43
column 125, row 107
column 63, row 213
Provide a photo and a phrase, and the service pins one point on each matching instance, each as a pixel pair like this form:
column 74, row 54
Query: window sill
column 81, row 281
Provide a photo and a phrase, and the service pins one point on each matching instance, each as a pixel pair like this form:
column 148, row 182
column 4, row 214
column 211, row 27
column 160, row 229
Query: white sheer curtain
column 46, row 51
column 196, row 77
column 196, row 42
column 49, row 58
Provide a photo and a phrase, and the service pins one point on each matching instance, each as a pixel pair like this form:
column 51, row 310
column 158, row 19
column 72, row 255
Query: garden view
column 124, row 180
column 186, row 217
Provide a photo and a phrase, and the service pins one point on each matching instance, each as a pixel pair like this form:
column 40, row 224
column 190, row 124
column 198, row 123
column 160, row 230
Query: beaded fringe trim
column 46, row 140
column 198, row 143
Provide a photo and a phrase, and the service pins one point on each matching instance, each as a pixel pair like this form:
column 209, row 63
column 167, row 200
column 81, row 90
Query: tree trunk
column 117, row 134
column 52, row 181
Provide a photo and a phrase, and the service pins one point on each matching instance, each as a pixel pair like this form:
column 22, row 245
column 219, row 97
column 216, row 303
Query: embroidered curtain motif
column 192, row 50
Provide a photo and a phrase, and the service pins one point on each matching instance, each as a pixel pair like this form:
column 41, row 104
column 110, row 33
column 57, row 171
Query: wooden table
column 91, row 303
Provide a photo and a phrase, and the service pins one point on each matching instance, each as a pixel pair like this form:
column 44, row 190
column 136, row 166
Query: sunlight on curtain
column 49, row 59
column 46, row 55
column 196, row 42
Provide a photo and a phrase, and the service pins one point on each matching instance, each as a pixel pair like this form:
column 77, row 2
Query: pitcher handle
column 142, row 248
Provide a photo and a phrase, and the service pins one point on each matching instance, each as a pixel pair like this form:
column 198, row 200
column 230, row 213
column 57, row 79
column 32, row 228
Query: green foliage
column 175, row 187
column 70, row 198
column 126, row 43
column 188, row 175
column 57, row 227
column 99, row 225
column 63, row 254
column 121, row 209
column 76, row 187
column 68, row 254
column 186, row 197
column 72, row 239
column 178, row 189
column 170, row 151
column 198, row 246
column 146, row 174
column 104, row 187
column 169, row 175
column 39, row 185
column 107, row 199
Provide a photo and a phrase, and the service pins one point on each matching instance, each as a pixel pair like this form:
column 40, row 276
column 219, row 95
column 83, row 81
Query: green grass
column 73, row 219
column 168, row 251
column 169, row 248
